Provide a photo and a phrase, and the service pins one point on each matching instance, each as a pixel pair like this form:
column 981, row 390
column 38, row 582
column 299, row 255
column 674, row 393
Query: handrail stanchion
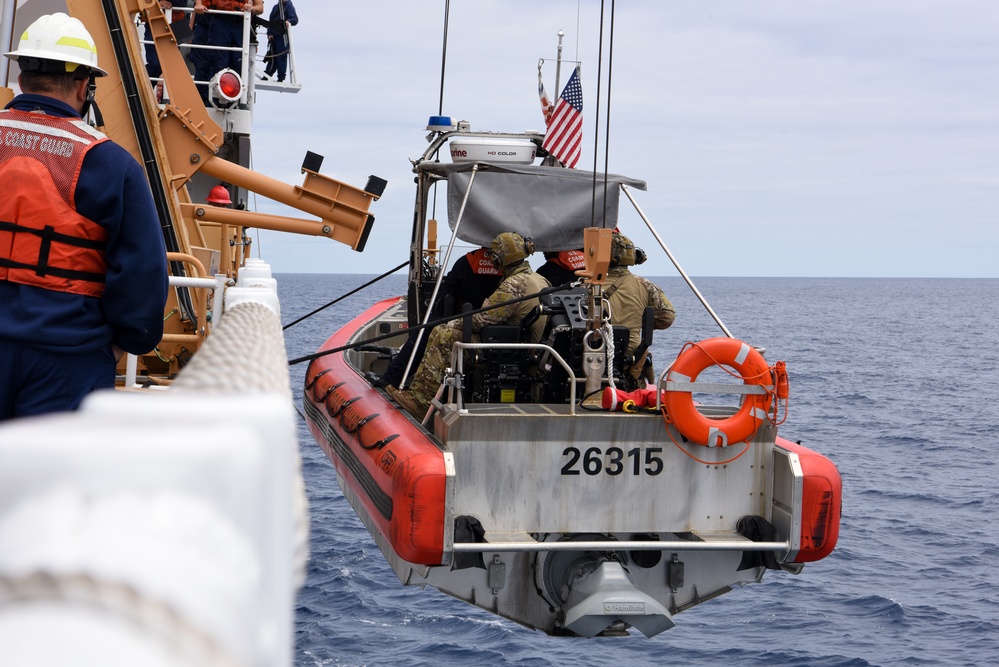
column 131, row 369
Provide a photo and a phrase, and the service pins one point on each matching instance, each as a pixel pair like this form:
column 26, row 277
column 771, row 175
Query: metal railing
column 611, row 545
column 247, row 48
column 458, row 363
column 201, row 284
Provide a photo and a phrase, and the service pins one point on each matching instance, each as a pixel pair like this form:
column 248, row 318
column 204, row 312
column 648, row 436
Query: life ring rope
column 679, row 409
column 707, row 463
column 703, row 347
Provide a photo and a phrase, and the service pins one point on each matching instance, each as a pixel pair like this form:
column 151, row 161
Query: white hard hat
column 59, row 38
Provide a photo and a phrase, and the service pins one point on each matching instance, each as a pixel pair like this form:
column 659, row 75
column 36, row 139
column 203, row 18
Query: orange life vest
column 571, row 260
column 225, row 5
column 43, row 240
column 481, row 263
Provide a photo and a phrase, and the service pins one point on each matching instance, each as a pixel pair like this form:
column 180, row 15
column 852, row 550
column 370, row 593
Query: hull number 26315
column 613, row 461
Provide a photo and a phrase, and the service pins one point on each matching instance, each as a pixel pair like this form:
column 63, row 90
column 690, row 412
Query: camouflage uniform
column 629, row 295
column 519, row 280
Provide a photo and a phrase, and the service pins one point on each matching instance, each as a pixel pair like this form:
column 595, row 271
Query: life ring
column 679, row 404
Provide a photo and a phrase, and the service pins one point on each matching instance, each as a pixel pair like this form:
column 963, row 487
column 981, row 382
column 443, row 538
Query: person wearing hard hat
column 83, row 272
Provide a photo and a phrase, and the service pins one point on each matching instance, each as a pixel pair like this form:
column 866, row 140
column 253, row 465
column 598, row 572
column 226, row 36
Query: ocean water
column 895, row 380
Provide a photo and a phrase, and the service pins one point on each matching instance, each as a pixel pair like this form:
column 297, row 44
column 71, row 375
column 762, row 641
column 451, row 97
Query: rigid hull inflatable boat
column 566, row 515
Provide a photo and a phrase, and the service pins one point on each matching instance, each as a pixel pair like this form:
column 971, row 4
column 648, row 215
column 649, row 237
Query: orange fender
column 821, row 503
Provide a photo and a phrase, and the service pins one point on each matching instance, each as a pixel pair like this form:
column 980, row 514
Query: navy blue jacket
column 113, row 192
column 275, row 27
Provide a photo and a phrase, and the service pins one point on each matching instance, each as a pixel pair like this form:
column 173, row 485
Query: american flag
column 565, row 133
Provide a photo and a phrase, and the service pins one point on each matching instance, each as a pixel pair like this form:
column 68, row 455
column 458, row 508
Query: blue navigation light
column 440, row 124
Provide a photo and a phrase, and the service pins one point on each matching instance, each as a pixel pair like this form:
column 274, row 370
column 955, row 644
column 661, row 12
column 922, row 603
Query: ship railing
column 458, row 363
column 186, row 47
column 201, row 286
column 289, row 85
column 248, row 48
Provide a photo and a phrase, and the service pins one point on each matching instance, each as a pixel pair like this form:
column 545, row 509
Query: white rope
column 246, row 353
column 607, row 331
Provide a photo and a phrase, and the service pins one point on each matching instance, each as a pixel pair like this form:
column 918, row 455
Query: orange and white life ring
column 679, row 404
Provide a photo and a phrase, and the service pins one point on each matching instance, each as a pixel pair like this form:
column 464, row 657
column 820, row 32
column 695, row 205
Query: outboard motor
column 608, row 596
column 595, row 593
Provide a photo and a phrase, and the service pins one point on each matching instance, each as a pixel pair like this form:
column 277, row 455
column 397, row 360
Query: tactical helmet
column 56, row 43
column 510, row 247
column 622, row 250
column 218, row 195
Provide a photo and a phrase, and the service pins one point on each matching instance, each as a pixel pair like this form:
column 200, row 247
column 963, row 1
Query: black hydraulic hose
column 142, row 135
column 431, row 324
column 350, row 293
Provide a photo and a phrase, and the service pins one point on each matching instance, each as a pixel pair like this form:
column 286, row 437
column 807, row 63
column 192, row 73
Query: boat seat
column 503, row 375
column 500, row 333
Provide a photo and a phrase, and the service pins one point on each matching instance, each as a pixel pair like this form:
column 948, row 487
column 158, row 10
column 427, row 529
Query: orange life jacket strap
column 49, row 235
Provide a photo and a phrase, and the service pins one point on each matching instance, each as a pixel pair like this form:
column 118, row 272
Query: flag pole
column 558, row 64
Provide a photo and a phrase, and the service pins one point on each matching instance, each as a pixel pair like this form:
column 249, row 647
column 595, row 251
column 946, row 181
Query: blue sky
column 778, row 138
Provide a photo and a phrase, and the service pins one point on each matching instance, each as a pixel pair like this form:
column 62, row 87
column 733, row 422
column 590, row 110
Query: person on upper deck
column 83, row 270
column 472, row 278
column 629, row 295
column 510, row 252
column 277, row 38
column 219, row 30
column 153, row 68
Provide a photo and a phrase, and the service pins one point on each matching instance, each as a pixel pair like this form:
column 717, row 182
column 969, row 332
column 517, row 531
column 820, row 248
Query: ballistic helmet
column 509, row 248
column 622, row 250
column 56, row 44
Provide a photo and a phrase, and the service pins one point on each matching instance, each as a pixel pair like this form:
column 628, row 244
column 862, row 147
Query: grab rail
column 592, row 545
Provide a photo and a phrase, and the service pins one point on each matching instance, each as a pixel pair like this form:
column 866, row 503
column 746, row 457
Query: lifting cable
column 596, row 133
column 440, row 102
column 431, row 323
column 341, row 298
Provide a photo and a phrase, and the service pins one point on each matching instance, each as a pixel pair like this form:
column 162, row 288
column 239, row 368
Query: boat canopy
column 551, row 205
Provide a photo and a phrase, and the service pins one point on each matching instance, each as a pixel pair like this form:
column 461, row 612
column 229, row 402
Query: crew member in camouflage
column 629, row 295
column 510, row 252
